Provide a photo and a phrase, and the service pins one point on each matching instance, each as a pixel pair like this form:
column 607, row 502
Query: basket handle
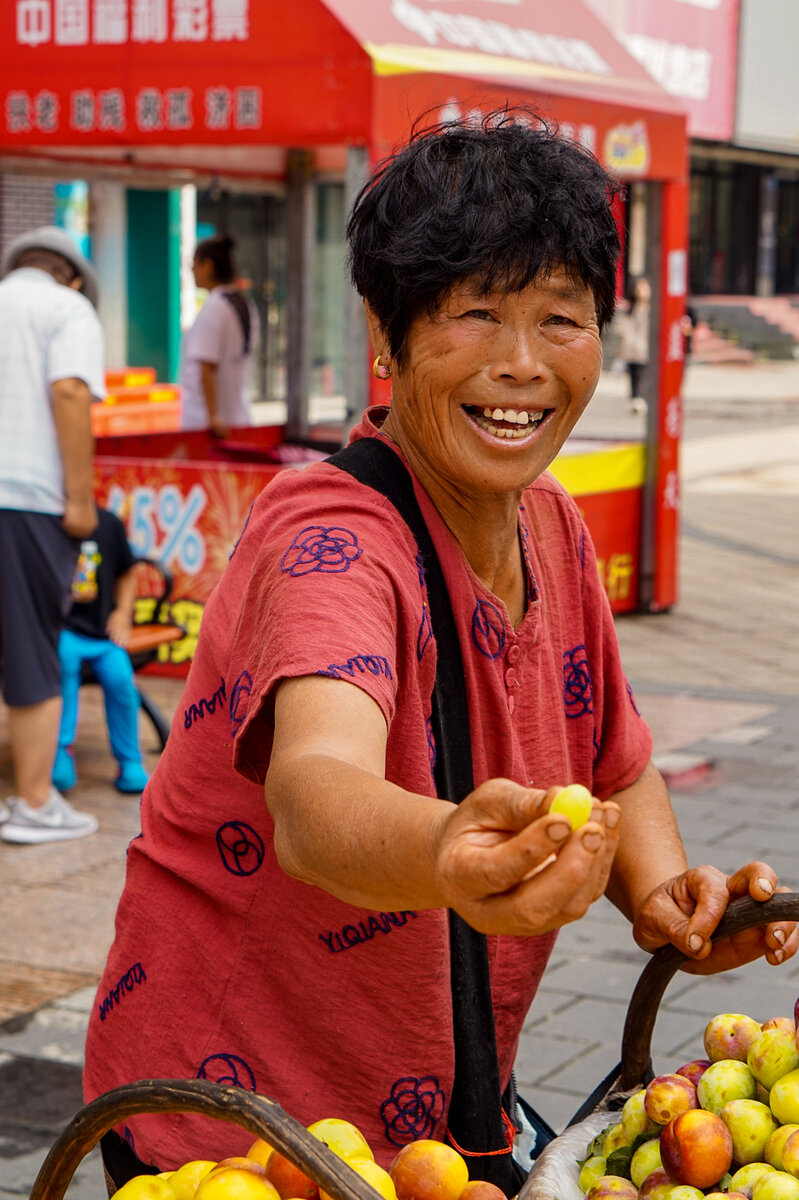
column 636, row 1046
column 259, row 1115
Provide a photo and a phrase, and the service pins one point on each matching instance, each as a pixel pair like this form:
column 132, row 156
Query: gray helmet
column 57, row 241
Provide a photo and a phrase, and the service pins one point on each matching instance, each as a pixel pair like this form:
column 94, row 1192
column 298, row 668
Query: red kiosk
column 203, row 89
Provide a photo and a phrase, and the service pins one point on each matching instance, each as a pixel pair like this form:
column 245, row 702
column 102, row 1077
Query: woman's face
column 203, row 269
column 491, row 386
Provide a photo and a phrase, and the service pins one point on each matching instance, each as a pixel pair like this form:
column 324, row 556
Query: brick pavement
column 715, row 678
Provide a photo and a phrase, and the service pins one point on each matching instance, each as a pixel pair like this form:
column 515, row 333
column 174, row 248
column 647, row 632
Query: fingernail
column 779, row 955
column 592, row 841
column 559, row 832
column 612, row 818
column 695, row 942
column 779, row 936
column 765, row 885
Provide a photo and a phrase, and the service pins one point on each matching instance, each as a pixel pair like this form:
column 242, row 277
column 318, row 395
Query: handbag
column 480, row 1126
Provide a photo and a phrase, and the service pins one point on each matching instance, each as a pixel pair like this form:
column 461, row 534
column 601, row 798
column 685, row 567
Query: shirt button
column 510, row 678
column 513, row 653
column 511, row 704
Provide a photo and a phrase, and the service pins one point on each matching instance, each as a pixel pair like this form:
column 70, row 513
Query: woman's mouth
column 513, row 424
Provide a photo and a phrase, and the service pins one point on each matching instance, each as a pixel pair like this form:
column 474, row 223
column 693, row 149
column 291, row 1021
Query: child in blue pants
column 96, row 631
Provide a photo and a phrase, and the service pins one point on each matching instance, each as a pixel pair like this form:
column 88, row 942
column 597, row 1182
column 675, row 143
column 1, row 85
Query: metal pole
column 356, row 380
column 299, row 290
column 652, row 395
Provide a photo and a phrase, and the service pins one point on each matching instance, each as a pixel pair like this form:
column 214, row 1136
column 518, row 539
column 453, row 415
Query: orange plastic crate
column 135, row 416
column 129, row 377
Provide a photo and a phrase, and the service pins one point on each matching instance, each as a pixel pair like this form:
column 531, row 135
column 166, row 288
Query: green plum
column 771, row 1055
column 725, row 1080
column 751, row 1124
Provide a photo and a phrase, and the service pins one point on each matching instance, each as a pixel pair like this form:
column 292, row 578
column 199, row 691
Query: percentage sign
column 183, row 542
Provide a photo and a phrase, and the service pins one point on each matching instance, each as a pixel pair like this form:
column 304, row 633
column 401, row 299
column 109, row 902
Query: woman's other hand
column 686, row 909
column 509, row 866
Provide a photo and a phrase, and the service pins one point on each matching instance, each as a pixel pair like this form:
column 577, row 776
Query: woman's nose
column 519, row 356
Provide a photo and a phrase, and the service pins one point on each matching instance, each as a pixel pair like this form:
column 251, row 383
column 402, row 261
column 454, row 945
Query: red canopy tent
column 233, row 87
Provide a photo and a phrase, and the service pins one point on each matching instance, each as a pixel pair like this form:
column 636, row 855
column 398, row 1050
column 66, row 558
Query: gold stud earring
column 381, row 370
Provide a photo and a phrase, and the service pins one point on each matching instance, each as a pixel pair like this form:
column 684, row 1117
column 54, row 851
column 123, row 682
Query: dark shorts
column 37, row 562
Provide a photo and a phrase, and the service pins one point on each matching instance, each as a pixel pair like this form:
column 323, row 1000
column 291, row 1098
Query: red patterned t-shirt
column 223, row 967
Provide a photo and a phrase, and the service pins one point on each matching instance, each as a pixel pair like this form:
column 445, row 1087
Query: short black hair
column 497, row 201
column 219, row 249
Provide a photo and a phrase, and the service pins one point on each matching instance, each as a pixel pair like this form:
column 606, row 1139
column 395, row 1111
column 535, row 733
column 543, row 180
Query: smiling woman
column 313, row 946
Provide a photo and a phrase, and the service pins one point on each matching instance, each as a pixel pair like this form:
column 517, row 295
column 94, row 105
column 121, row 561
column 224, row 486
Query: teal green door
column 153, row 252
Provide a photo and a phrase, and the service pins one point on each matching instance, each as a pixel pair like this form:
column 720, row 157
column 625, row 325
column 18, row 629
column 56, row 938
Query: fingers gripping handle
column 636, row 1046
column 259, row 1115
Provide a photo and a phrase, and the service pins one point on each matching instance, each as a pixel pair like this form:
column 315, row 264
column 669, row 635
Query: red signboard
column 199, row 72
column 561, row 48
column 635, row 143
column 690, row 47
column 666, row 475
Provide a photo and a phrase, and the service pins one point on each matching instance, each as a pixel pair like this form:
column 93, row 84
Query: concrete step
column 708, row 346
column 766, row 326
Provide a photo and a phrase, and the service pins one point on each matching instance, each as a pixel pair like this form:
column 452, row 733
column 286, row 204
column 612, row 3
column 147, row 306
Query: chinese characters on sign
column 154, row 110
column 116, row 22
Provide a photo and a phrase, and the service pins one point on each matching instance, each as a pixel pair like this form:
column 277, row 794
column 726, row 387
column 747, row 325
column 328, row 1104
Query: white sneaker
column 55, row 821
column 4, row 812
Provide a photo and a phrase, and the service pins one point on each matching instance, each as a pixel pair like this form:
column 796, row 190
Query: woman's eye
column 559, row 319
column 482, row 314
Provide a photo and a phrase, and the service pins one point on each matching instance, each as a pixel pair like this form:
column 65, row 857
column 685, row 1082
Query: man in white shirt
column 51, row 366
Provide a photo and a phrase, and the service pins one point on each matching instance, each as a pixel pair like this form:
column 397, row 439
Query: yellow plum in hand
column 574, row 802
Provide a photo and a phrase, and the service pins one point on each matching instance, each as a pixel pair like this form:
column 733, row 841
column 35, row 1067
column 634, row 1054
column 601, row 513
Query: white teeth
column 524, row 420
column 511, row 415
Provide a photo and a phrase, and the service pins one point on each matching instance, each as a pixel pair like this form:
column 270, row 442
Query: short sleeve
column 622, row 741
column 77, row 351
column 327, row 585
column 209, row 330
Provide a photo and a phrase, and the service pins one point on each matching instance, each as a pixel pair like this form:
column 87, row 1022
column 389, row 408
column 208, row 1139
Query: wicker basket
column 554, row 1173
column 264, row 1118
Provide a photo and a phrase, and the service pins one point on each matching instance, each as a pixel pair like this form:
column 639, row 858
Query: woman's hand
column 686, row 909
column 508, row 866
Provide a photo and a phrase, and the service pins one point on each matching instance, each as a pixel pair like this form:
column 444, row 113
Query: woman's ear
column 377, row 335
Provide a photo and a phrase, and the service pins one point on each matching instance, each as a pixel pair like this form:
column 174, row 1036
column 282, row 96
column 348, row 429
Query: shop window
column 258, row 223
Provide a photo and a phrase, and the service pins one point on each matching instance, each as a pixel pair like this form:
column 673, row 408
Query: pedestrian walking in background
column 218, row 349
column 97, row 631
column 634, row 344
column 51, row 366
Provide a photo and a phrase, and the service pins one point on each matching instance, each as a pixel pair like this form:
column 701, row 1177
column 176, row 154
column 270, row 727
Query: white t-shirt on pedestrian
column 47, row 332
column 217, row 337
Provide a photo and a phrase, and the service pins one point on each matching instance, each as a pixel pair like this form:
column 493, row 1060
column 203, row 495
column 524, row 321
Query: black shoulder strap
column 475, row 1124
column 241, row 308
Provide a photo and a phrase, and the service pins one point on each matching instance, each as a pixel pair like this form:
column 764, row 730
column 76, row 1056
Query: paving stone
column 24, row 987
column 53, row 1034
column 605, row 978
column 19, row 1173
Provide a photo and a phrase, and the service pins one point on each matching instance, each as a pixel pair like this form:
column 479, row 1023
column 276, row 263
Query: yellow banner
column 614, row 470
